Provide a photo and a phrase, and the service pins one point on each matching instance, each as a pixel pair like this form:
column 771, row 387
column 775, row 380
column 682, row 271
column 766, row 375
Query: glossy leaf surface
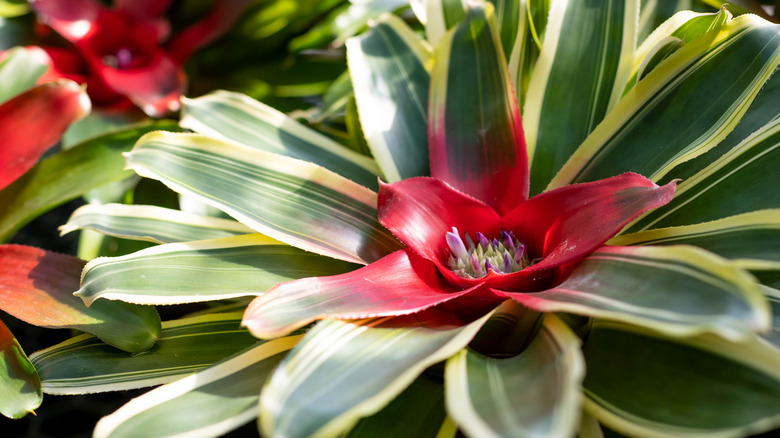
column 582, row 69
column 240, row 119
column 37, row 287
column 640, row 383
column 679, row 291
column 536, row 393
column 151, row 223
column 211, row 402
column 83, row 364
column 643, row 134
column 226, row 268
column 388, row 66
column 342, row 371
column 290, row 200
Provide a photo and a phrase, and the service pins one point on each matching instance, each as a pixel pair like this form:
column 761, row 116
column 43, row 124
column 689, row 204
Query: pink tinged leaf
column 37, row 286
column 155, row 87
column 421, row 211
column 398, row 284
column 33, row 121
column 20, row 386
column 73, row 19
column 568, row 223
column 222, row 16
column 475, row 133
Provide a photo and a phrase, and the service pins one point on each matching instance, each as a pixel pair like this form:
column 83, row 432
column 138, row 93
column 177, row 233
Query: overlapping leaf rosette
column 610, row 259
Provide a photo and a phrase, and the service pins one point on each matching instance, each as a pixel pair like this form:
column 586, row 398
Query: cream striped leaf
column 235, row 117
column 151, row 223
column 640, row 383
column 682, row 27
column 389, row 66
column 741, row 181
column 83, row 364
column 211, row 402
column 203, row 270
column 342, row 371
column 534, row 394
column 676, row 290
column 296, row 202
column 744, row 237
column 581, row 73
column 642, row 133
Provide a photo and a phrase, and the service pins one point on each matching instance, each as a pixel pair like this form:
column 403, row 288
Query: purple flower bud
column 508, row 240
column 507, row 263
column 483, row 241
column 456, row 245
column 477, row 268
column 470, row 243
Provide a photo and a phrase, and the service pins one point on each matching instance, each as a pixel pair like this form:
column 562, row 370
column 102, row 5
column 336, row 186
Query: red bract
column 557, row 228
column 124, row 54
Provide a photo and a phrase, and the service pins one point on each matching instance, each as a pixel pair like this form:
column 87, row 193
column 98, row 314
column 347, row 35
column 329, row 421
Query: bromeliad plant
column 557, row 267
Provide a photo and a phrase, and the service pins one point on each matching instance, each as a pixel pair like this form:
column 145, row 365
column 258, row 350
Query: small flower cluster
column 469, row 260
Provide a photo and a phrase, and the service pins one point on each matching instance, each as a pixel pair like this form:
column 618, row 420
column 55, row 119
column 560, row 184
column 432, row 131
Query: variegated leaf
column 238, row 118
column 204, row 270
column 641, row 383
column 680, row 291
column 211, row 402
column 296, row 202
column 536, row 393
column 151, row 223
column 342, row 371
column 389, row 70
column 642, row 133
column 581, row 72
column 83, row 364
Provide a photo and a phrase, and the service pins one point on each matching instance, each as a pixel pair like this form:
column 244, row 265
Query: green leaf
column 20, row 68
column 421, row 406
column 764, row 109
column 681, row 28
column 581, row 72
column 753, row 236
column 291, row 200
column 640, row 383
column 151, row 223
column 209, row 403
column 705, row 87
column 440, row 16
column 238, row 118
column 37, row 287
column 389, row 69
column 228, row 267
column 67, row 175
column 475, row 132
column 773, row 296
column 20, row 387
column 679, row 291
column 531, row 25
column 536, row 393
column 741, row 181
column 342, row 371
column 83, row 364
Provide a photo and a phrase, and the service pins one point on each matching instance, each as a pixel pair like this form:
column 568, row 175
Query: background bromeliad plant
column 666, row 330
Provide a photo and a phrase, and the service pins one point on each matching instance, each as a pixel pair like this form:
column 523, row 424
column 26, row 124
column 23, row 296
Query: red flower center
column 503, row 254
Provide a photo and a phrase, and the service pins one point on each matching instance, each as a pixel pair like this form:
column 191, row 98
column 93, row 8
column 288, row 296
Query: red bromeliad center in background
column 124, row 55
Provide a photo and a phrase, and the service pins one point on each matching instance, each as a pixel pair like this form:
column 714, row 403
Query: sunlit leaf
column 290, row 200
column 83, row 364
